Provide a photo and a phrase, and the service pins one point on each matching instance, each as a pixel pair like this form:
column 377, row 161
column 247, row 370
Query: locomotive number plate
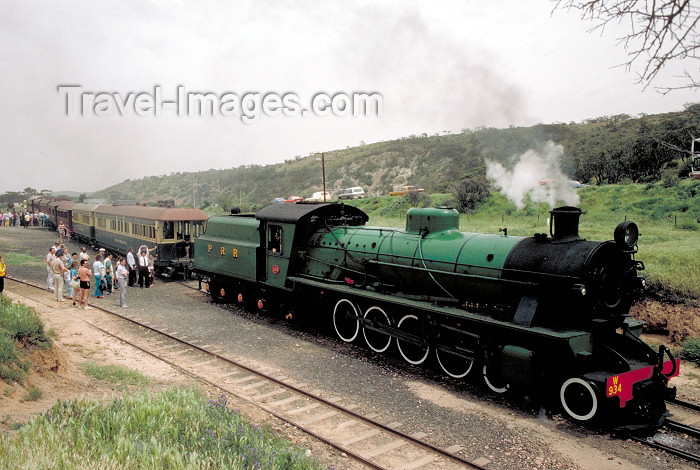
column 621, row 386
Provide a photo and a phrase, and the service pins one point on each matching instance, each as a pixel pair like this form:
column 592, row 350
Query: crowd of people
column 24, row 219
column 74, row 276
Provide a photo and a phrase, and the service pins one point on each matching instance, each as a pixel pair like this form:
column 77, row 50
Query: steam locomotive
column 548, row 313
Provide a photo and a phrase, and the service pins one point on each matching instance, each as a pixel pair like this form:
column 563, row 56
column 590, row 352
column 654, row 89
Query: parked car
column 318, row 197
column 278, row 200
column 355, row 192
column 403, row 190
column 294, row 199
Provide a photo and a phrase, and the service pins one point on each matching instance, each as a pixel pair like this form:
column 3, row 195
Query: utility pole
column 323, row 169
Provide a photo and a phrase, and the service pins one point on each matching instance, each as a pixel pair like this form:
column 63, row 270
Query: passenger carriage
column 172, row 230
column 83, row 222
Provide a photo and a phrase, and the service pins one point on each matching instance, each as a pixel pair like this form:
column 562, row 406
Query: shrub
column 418, row 199
column 469, row 194
column 23, row 324
column 18, row 323
column 691, row 349
column 33, row 394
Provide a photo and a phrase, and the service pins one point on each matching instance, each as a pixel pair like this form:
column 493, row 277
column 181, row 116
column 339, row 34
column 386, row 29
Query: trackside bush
column 691, row 349
column 18, row 324
column 23, row 324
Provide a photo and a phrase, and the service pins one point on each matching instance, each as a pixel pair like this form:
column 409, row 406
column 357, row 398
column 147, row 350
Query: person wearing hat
column 58, row 268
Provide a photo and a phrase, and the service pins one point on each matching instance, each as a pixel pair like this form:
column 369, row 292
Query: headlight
column 627, row 234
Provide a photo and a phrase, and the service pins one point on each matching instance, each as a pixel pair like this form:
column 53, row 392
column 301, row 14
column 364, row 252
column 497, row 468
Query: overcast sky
column 437, row 66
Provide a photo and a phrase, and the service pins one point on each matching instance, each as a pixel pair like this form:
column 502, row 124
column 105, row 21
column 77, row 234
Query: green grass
column 176, row 429
column 19, row 324
column 115, row 374
column 22, row 259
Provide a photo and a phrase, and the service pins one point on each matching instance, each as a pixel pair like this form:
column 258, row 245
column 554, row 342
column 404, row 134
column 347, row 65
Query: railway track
column 332, row 420
column 678, row 438
column 672, row 438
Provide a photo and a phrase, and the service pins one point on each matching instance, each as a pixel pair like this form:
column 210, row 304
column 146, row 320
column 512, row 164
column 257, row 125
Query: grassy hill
column 610, row 149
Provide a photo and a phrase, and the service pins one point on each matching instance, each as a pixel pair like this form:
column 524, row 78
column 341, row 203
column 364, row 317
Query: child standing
column 74, row 277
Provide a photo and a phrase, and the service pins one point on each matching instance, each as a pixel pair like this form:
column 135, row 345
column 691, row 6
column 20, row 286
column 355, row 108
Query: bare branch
column 660, row 31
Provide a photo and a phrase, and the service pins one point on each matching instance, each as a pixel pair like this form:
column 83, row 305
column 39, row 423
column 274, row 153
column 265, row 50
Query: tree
column 659, row 32
column 225, row 200
column 469, row 193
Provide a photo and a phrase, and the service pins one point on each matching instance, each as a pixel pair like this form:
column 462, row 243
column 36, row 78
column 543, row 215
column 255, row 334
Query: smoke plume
column 537, row 174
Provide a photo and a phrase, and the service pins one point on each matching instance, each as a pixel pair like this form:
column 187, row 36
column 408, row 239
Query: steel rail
column 671, row 450
column 684, row 404
column 680, row 427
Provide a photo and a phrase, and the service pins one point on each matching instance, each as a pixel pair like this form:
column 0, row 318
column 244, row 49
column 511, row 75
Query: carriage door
column 277, row 249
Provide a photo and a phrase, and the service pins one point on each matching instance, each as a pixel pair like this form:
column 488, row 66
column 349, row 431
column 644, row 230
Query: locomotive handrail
column 420, row 250
column 665, row 350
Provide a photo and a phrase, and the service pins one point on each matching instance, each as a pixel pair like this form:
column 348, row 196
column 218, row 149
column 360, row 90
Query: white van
column 352, row 193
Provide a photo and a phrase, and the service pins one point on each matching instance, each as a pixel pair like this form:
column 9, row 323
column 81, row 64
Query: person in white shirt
column 49, row 278
column 123, row 280
column 142, row 261
column 98, row 270
column 131, row 265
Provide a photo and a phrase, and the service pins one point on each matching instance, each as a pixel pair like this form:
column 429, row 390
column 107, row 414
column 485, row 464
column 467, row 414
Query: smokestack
column 564, row 222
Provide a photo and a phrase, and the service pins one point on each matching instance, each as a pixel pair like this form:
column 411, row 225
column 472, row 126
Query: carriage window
column 198, row 228
column 168, row 229
column 274, row 239
column 180, row 229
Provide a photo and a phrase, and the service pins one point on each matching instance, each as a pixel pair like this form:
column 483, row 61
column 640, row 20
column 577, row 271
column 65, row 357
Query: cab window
column 274, row 239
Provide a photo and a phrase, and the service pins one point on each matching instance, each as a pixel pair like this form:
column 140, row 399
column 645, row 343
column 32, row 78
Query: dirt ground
column 60, row 376
column 677, row 321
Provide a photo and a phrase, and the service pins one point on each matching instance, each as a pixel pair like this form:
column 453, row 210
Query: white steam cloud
column 536, row 174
